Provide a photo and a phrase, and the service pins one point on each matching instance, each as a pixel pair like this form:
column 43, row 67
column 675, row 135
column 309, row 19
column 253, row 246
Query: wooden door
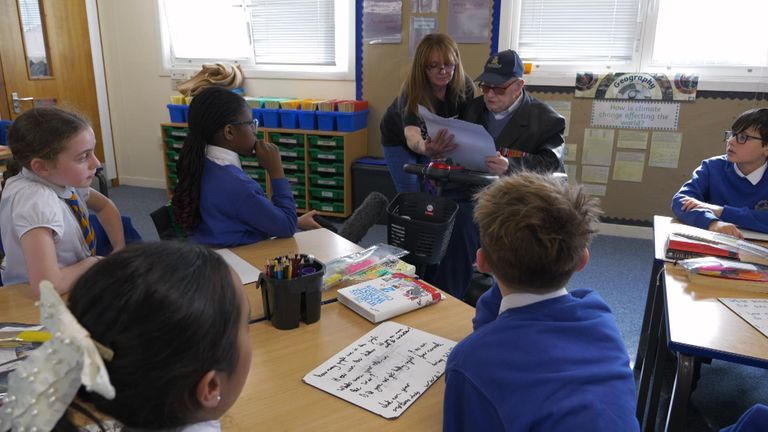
column 66, row 78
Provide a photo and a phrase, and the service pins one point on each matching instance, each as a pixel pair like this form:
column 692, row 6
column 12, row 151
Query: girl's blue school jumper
column 555, row 365
column 715, row 181
column 236, row 211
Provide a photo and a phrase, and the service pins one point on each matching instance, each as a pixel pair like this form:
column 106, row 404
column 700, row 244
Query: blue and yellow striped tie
column 82, row 219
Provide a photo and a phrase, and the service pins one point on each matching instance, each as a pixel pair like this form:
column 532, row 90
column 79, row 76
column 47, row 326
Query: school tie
column 82, row 219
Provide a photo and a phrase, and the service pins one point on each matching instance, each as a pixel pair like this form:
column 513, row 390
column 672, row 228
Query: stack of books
column 679, row 248
column 684, row 240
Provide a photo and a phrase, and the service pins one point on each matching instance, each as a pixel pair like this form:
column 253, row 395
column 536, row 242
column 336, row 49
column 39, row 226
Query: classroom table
column 691, row 323
column 275, row 398
column 17, row 302
column 322, row 243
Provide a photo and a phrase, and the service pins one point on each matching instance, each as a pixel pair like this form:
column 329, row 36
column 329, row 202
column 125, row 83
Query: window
column 725, row 44
column 286, row 38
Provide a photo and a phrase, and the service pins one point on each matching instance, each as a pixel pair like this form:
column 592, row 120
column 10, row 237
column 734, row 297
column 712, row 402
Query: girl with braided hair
column 215, row 202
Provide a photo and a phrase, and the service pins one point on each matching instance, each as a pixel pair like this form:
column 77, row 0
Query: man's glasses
column 440, row 67
column 741, row 138
column 254, row 123
column 497, row 90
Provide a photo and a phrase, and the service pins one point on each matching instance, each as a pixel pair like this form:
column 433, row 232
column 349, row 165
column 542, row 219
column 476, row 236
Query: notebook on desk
column 753, row 311
column 386, row 370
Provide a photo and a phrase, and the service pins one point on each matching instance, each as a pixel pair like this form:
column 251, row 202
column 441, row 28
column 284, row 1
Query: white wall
column 138, row 93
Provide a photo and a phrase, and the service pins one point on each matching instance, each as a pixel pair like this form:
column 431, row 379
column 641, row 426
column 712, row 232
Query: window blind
column 293, row 31
column 583, row 31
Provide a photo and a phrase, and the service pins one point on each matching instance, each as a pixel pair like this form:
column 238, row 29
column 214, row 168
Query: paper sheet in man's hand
column 473, row 142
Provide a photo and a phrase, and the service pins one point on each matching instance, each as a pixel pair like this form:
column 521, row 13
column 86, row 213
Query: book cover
column 388, row 296
column 679, row 247
column 386, row 370
column 748, row 252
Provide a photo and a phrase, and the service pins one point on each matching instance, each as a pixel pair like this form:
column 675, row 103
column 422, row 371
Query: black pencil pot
column 288, row 301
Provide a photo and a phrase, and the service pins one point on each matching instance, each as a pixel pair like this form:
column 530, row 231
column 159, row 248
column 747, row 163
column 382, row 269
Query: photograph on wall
column 636, row 86
column 424, row 6
column 382, row 21
column 420, row 27
column 468, row 20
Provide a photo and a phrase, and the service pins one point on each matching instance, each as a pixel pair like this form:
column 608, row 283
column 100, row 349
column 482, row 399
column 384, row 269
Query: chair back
column 165, row 224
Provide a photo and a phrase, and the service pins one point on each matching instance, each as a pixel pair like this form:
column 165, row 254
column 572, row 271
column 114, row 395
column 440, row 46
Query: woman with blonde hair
column 438, row 82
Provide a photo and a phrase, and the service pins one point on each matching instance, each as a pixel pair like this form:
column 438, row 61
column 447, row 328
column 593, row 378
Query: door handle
column 17, row 102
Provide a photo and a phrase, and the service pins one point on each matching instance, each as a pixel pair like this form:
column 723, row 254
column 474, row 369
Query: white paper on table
column 754, row 235
column 247, row 272
column 473, row 142
column 753, row 311
column 386, row 370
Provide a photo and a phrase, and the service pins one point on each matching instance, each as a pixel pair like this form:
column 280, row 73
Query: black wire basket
column 421, row 224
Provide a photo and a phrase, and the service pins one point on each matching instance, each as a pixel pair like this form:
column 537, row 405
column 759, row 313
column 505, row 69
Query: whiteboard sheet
column 473, row 142
column 247, row 272
column 753, row 311
column 386, row 370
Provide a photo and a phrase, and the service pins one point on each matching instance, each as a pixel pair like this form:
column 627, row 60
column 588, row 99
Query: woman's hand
column 442, row 143
column 726, row 228
column 268, row 155
column 307, row 222
column 692, row 203
column 497, row 165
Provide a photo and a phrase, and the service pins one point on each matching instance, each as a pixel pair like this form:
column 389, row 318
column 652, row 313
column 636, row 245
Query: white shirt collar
column 222, row 156
column 61, row 192
column 520, row 299
column 507, row 112
column 755, row 176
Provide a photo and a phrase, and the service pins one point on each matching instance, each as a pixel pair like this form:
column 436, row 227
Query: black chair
column 102, row 178
column 166, row 225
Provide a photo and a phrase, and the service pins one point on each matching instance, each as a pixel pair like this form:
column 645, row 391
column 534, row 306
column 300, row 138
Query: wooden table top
column 701, row 325
column 275, row 398
column 698, row 323
column 17, row 302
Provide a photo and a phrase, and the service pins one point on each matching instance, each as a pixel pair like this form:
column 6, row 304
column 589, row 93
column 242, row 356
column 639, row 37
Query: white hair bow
column 41, row 389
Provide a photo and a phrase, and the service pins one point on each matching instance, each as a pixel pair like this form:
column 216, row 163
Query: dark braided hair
column 40, row 133
column 210, row 110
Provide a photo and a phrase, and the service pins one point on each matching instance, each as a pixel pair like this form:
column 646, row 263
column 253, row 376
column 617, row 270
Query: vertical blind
column 584, row 31
column 293, row 31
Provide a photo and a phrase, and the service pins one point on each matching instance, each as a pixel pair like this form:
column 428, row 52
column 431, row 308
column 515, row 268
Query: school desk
column 275, row 398
column 690, row 322
column 17, row 302
column 325, row 245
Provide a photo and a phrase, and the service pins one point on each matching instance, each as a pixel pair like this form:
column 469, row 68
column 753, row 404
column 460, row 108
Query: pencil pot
column 288, row 301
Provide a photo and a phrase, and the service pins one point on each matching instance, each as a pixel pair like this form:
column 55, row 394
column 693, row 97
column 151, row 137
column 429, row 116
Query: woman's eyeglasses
column 497, row 90
column 254, row 123
column 741, row 138
column 440, row 67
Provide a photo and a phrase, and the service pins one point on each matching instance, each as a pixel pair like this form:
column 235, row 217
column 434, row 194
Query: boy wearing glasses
column 729, row 192
column 528, row 133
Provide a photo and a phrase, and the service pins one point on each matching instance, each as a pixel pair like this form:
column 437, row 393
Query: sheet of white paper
column 386, row 370
column 247, row 272
column 753, row 311
column 474, row 143
column 754, row 235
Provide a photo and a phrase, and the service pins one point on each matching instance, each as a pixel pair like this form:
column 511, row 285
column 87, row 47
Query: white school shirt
column 28, row 202
column 520, row 299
